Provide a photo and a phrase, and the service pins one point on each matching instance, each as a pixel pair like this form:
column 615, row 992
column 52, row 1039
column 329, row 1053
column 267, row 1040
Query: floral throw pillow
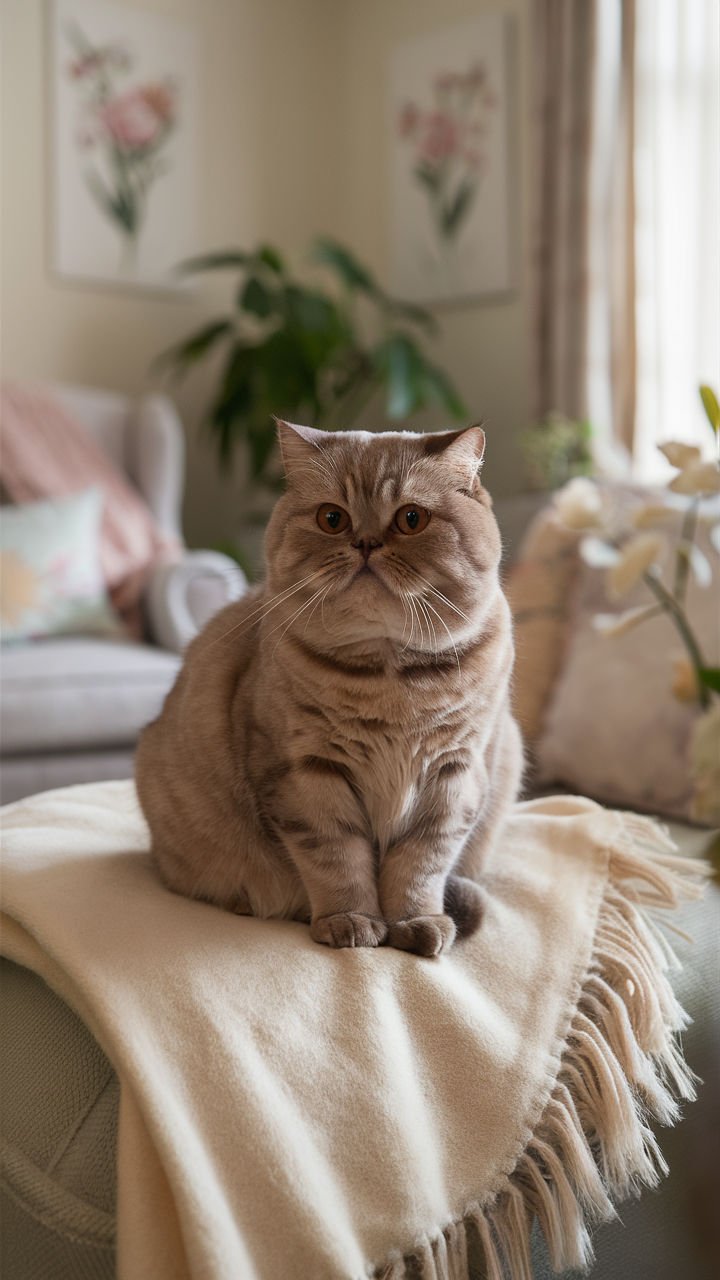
column 50, row 576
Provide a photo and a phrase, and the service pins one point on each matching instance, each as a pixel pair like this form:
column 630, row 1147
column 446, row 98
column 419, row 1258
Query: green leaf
column 428, row 176
column 271, row 258
column 410, row 311
column 193, row 348
column 257, row 299
column 711, row 406
column 453, row 216
column 309, row 309
column 262, row 444
column 710, row 677
column 215, row 261
column 401, row 367
column 345, row 264
column 438, row 388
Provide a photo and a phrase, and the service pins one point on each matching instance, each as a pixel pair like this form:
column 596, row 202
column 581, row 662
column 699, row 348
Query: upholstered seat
column 80, row 693
column 72, row 708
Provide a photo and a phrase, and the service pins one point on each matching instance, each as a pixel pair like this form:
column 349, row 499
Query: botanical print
column 448, row 129
column 128, row 124
column 123, row 130
column 447, row 143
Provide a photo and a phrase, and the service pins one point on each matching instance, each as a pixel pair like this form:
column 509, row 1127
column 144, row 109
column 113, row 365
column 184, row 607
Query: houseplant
column 310, row 353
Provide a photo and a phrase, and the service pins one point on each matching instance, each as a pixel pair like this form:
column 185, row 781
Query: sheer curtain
column 654, row 236
column 677, row 219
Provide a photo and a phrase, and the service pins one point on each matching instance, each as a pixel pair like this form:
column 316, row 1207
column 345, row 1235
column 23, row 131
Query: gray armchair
column 72, row 707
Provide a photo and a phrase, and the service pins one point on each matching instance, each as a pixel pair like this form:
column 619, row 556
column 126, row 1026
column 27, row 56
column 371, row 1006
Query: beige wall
column 291, row 143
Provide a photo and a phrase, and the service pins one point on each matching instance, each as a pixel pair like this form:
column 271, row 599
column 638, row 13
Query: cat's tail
column 464, row 902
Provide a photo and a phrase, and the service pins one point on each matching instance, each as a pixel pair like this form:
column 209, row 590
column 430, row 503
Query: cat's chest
column 389, row 763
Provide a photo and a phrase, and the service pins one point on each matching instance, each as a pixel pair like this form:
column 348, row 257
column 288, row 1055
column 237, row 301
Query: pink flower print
column 95, row 60
column 132, row 119
column 441, row 137
column 161, row 99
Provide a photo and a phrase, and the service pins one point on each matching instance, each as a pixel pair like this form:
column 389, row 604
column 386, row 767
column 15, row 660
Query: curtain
column 626, row 310
column 677, row 222
column 564, row 48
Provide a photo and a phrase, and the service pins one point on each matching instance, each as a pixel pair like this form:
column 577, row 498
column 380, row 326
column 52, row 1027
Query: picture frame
column 122, row 144
column 452, row 224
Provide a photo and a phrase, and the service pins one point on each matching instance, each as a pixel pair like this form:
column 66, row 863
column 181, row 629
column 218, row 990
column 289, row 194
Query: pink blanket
column 47, row 454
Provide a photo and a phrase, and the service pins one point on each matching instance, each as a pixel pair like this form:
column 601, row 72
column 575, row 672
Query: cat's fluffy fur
column 338, row 747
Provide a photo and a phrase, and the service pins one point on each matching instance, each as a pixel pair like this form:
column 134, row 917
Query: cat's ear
column 464, row 450
column 298, row 444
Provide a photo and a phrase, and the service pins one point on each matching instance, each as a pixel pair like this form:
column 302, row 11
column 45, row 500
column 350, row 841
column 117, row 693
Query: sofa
column 71, row 707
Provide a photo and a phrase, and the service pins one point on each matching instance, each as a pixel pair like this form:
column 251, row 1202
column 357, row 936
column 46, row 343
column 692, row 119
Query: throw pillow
column 51, row 579
column 623, row 723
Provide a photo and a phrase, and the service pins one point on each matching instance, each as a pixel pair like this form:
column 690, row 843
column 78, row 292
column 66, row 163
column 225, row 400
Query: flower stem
column 684, row 546
column 676, row 611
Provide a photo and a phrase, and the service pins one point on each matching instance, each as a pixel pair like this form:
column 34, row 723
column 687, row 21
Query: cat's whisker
column 319, row 599
column 322, row 603
column 423, row 605
column 293, row 618
column 264, row 609
column 406, row 619
column 442, row 597
column 413, row 605
column 452, row 642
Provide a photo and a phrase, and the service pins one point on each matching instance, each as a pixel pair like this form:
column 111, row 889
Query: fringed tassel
column 620, row 1068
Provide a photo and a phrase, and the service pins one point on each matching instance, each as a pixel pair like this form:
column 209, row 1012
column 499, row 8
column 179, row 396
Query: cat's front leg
column 412, row 892
column 425, row 905
column 323, row 831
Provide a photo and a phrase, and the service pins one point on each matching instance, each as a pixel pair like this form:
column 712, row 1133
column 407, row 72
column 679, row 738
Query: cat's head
column 391, row 535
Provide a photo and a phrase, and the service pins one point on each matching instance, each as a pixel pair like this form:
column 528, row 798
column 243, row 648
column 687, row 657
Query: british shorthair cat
column 339, row 747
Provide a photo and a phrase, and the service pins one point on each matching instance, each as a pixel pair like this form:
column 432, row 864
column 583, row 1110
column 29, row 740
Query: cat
column 338, row 747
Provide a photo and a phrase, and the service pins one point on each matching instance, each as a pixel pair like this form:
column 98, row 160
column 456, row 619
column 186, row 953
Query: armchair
column 71, row 707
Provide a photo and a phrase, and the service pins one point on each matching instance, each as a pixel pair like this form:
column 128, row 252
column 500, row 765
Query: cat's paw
column 425, row 935
column 348, row 929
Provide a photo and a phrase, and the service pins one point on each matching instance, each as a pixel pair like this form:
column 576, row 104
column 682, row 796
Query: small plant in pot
column 313, row 354
column 555, row 450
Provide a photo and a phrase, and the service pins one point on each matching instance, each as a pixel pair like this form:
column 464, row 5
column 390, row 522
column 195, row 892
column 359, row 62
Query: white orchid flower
column 678, row 454
column 598, row 553
column 616, row 624
column 651, row 513
column 697, row 477
column 579, row 504
column 636, row 557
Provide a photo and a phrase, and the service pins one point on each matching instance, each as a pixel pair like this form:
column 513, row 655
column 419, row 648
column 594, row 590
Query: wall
column 265, row 80
column 292, row 142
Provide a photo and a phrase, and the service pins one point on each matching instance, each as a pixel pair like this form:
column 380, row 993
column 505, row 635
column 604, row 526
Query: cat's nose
column 366, row 545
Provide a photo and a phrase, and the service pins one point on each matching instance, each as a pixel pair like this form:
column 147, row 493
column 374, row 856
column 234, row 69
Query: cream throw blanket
column 292, row 1111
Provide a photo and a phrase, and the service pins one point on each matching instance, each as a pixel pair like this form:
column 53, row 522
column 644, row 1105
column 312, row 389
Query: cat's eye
column 332, row 519
column 411, row 519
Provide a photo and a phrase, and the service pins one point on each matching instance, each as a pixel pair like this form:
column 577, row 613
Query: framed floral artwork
column 449, row 143
column 122, row 142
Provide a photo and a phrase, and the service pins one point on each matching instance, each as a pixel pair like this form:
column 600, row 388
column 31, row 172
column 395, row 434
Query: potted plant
column 556, row 449
column 310, row 353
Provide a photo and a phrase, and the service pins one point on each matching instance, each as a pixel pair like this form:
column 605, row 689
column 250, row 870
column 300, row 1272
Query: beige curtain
column 564, row 60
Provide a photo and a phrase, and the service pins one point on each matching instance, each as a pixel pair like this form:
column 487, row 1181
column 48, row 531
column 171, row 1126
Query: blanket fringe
column 620, row 1069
